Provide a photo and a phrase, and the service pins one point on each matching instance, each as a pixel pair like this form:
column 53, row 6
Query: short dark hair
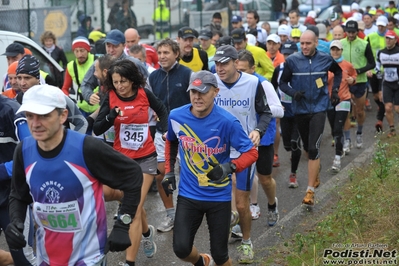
column 217, row 32
column 137, row 48
column 246, row 56
column 127, row 69
column 217, row 15
column 392, row 19
column 172, row 44
column 255, row 13
column 104, row 62
column 294, row 11
column 281, row 20
column 368, row 14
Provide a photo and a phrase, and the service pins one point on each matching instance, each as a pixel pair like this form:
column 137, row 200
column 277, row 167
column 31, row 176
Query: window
column 264, row 5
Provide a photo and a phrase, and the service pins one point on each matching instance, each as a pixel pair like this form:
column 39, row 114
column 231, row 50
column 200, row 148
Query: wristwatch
column 125, row 219
column 260, row 131
column 233, row 167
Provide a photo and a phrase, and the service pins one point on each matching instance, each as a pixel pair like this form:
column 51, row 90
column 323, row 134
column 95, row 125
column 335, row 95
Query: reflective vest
column 377, row 43
column 78, row 78
column 354, row 53
column 161, row 14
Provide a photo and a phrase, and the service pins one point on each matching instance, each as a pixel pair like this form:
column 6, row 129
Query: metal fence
column 63, row 17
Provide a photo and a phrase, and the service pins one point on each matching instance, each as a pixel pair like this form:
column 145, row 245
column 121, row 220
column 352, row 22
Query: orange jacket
column 277, row 60
column 347, row 71
column 11, row 93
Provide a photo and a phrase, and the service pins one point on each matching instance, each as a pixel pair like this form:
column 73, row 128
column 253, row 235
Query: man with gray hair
column 138, row 51
column 62, row 173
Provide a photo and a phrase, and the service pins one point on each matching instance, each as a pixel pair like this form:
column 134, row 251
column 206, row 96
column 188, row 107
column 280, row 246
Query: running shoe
column 391, row 134
column 309, row 198
column 272, row 215
column 236, row 232
column 347, row 146
column 336, row 167
column 245, row 254
column 276, row 162
column 359, row 141
column 293, row 182
column 208, row 260
column 166, row 225
column 149, row 246
column 235, row 218
column 378, row 126
column 255, row 211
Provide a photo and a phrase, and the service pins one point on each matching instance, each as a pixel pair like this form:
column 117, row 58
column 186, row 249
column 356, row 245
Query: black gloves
column 119, row 239
column 14, row 235
column 112, row 115
column 169, row 179
column 299, row 95
column 219, row 172
column 334, row 98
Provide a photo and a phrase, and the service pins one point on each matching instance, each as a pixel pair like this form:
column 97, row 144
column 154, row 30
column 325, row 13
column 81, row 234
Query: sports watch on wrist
column 233, row 167
column 125, row 219
column 260, row 131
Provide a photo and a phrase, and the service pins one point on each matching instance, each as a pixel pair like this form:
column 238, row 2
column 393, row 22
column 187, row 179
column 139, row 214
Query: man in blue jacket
column 308, row 70
column 169, row 83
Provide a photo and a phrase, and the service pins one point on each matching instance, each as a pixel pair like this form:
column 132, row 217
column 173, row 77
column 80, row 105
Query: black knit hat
column 29, row 65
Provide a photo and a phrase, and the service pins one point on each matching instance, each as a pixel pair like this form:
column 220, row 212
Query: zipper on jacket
column 311, row 85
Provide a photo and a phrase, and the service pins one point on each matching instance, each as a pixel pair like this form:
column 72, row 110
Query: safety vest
column 354, row 53
column 377, row 43
column 211, row 51
column 195, row 64
column 161, row 14
column 77, row 72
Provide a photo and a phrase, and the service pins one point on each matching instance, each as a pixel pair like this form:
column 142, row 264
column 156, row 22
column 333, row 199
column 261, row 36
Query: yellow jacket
column 263, row 64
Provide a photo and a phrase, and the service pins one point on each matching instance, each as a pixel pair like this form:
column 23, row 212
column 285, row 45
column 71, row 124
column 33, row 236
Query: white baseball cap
column 355, row 6
column 336, row 43
column 42, row 99
column 274, row 38
column 312, row 14
column 382, row 21
column 251, row 39
column 283, row 30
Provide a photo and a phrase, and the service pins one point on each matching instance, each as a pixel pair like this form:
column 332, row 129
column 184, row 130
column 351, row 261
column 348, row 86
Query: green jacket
column 359, row 53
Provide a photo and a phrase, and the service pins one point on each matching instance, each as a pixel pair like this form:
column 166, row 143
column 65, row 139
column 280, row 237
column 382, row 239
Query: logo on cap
column 197, row 82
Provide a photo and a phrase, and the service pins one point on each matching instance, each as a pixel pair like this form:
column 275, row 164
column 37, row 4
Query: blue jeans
column 277, row 15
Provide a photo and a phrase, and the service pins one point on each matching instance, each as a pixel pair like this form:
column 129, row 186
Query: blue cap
column 115, row 37
column 236, row 19
column 289, row 48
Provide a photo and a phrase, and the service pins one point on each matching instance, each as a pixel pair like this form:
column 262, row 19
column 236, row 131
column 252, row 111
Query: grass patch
column 70, row 56
column 365, row 210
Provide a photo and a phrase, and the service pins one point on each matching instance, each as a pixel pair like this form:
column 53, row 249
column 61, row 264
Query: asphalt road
column 263, row 236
